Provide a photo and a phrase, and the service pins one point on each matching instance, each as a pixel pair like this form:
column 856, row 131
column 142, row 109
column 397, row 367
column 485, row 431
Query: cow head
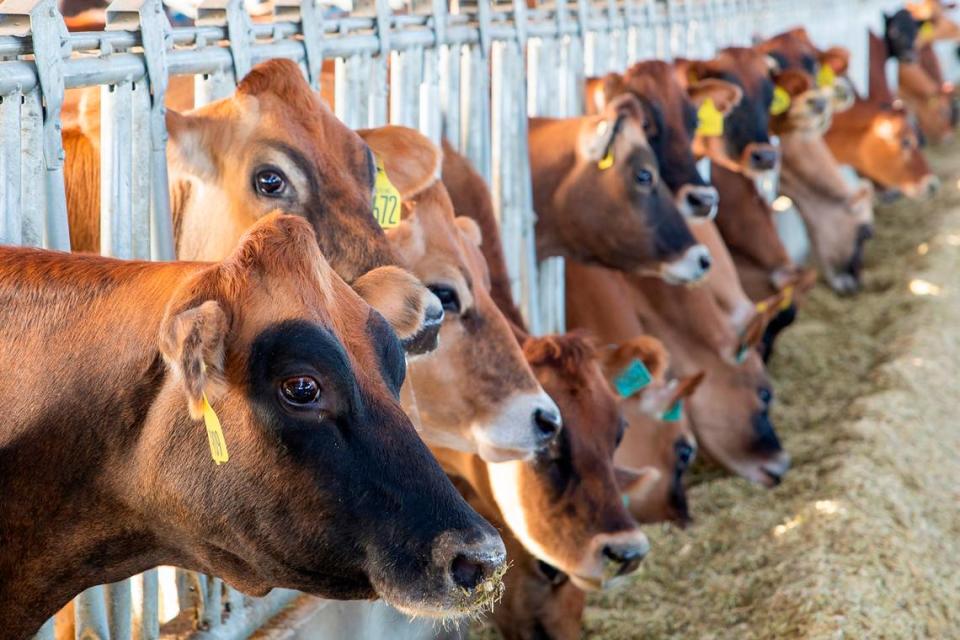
column 929, row 101
column 881, row 143
column 274, row 144
column 565, row 505
column 729, row 413
column 672, row 123
column 600, row 198
column 900, row 31
column 304, row 378
column 934, row 24
column 476, row 393
column 656, row 451
column 746, row 139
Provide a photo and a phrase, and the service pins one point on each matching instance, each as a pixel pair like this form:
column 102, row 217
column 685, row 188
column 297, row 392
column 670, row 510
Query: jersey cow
column 476, row 393
column 274, row 144
column 600, row 199
column 303, row 377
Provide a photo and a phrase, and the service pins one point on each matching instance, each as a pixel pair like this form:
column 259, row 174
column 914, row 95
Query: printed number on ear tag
column 673, row 415
column 634, row 378
column 710, row 120
column 386, row 199
column 218, row 444
column 826, row 77
column 781, row 101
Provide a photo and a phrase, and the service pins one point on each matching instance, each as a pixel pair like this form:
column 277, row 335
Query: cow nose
column 548, row 423
column 931, row 185
column 625, row 558
column 763, row 158
column 703, row 201
column 469, row 565
column 765, row 437
column 817, row 105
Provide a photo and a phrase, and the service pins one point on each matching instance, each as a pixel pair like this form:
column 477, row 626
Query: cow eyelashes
column 644, row 178
column 270, row 182
column 448, row 297
column 300, row 391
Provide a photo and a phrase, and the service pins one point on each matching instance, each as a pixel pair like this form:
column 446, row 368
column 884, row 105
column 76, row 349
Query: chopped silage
column 862, row 540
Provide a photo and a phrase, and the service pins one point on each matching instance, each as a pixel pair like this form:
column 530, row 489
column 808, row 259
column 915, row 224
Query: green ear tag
column 742, row 354
column 626, row 499
column 634, row 378
column 675, row 412
column 781, row 101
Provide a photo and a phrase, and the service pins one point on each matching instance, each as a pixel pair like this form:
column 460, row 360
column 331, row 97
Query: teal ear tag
column 626, row 499
column 675, row 412
column 634, row 378
column 742, row 354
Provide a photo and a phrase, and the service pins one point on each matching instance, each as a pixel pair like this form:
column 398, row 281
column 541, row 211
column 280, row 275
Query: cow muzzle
column 527, row 423
column 611, row 556
column 690, row 268
column 923, row 189
column 697, row 202
column 761, row 156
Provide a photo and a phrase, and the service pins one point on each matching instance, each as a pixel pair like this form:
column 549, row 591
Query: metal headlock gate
column 470, row 70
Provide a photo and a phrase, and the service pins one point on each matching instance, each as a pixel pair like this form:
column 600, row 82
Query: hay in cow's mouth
column 485, row 596
column 862, row 538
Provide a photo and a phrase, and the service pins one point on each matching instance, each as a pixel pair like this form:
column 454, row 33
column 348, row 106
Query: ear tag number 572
column 386, row 199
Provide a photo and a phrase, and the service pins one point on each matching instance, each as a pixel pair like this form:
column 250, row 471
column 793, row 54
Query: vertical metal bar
column 10, row 226
column 141, row 144
column 150, row 606
column 450, row 57
column 475, row 130
column 33, row 199
column 406, row 70
column 90, row 615
column 431, row 118
column 116, row 230
column 211, row 615
column 120, row 610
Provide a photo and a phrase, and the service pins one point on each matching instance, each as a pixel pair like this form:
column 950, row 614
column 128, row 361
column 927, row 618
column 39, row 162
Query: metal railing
column 471, row 71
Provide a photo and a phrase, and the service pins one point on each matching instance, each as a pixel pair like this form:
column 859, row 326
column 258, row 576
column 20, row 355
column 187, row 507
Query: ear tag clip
column 635, row 377
column 926, row 31
column 787, row 298
column 781, row 101
column 218, row 444
column 762, row 306
column 606, row 161
column 386, row 199
column 826, row 77
column 742, row 354
column 710, row 120
column 675, row 412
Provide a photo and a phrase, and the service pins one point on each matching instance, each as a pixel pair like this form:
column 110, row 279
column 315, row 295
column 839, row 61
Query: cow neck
column 817, row 170
column 68, row 477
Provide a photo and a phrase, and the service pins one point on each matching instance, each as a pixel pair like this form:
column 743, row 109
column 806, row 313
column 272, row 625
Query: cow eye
column 553, row 575
column 644, row 178
column 765, row 395
column 300, row 391
column 684, row 454
column 270, row 182
column 448, row 297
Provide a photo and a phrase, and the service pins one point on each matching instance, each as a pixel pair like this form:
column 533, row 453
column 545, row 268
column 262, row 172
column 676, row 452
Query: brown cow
column 304, row 378
column 730, row 411
column 672, row 120
column 476, row 393
column 599, row 197
column 274, row 144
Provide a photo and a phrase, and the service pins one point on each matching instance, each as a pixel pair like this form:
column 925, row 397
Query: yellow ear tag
column 606, row 161
column 826, row 77
column 787, row 298
column 762, row 306
column 386, row 199
column 218, row 445
column 926, row 31
column 781, row 101
column 710, row 120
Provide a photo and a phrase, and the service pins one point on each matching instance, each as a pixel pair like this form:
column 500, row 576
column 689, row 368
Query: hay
column 863, row 538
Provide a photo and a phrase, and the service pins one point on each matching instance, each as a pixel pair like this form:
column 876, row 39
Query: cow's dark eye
column 448, row 297
column 300, row 391
column 644, row 178
column 684, row 454
column 553, row 575
column 270, row 182
column 765, row 395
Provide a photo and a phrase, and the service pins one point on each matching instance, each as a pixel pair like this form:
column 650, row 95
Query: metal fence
column 468, row 70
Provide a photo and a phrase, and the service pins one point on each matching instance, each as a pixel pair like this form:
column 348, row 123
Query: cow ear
column 470, row 230
column 636, row 483
column 837, row 58
column 685, row 387
column 613, row 86
column 751, row 336
column 647, row 349
column 411, row 161
column 688, row 72
column 192, row 343
column 773, row 65
column 190, row 143
column 725, row 95
column 399, row 297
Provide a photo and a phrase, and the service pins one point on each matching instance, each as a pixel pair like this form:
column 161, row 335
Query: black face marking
column 393, row 366
column 371, row 168
column 298, row 348
column 671, row 235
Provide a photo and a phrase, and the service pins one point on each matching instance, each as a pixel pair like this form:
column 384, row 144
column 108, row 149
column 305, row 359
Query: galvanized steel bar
column 149, row 621
column 120, row 616
column 10, row 231
column 33, row 195
column 90, row 614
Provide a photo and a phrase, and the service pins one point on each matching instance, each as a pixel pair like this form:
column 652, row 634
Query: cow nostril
column 694, row 199
column 467, row 573
column 627, row 557
column 817, row 105
column 704, row 261
column 548, row 422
